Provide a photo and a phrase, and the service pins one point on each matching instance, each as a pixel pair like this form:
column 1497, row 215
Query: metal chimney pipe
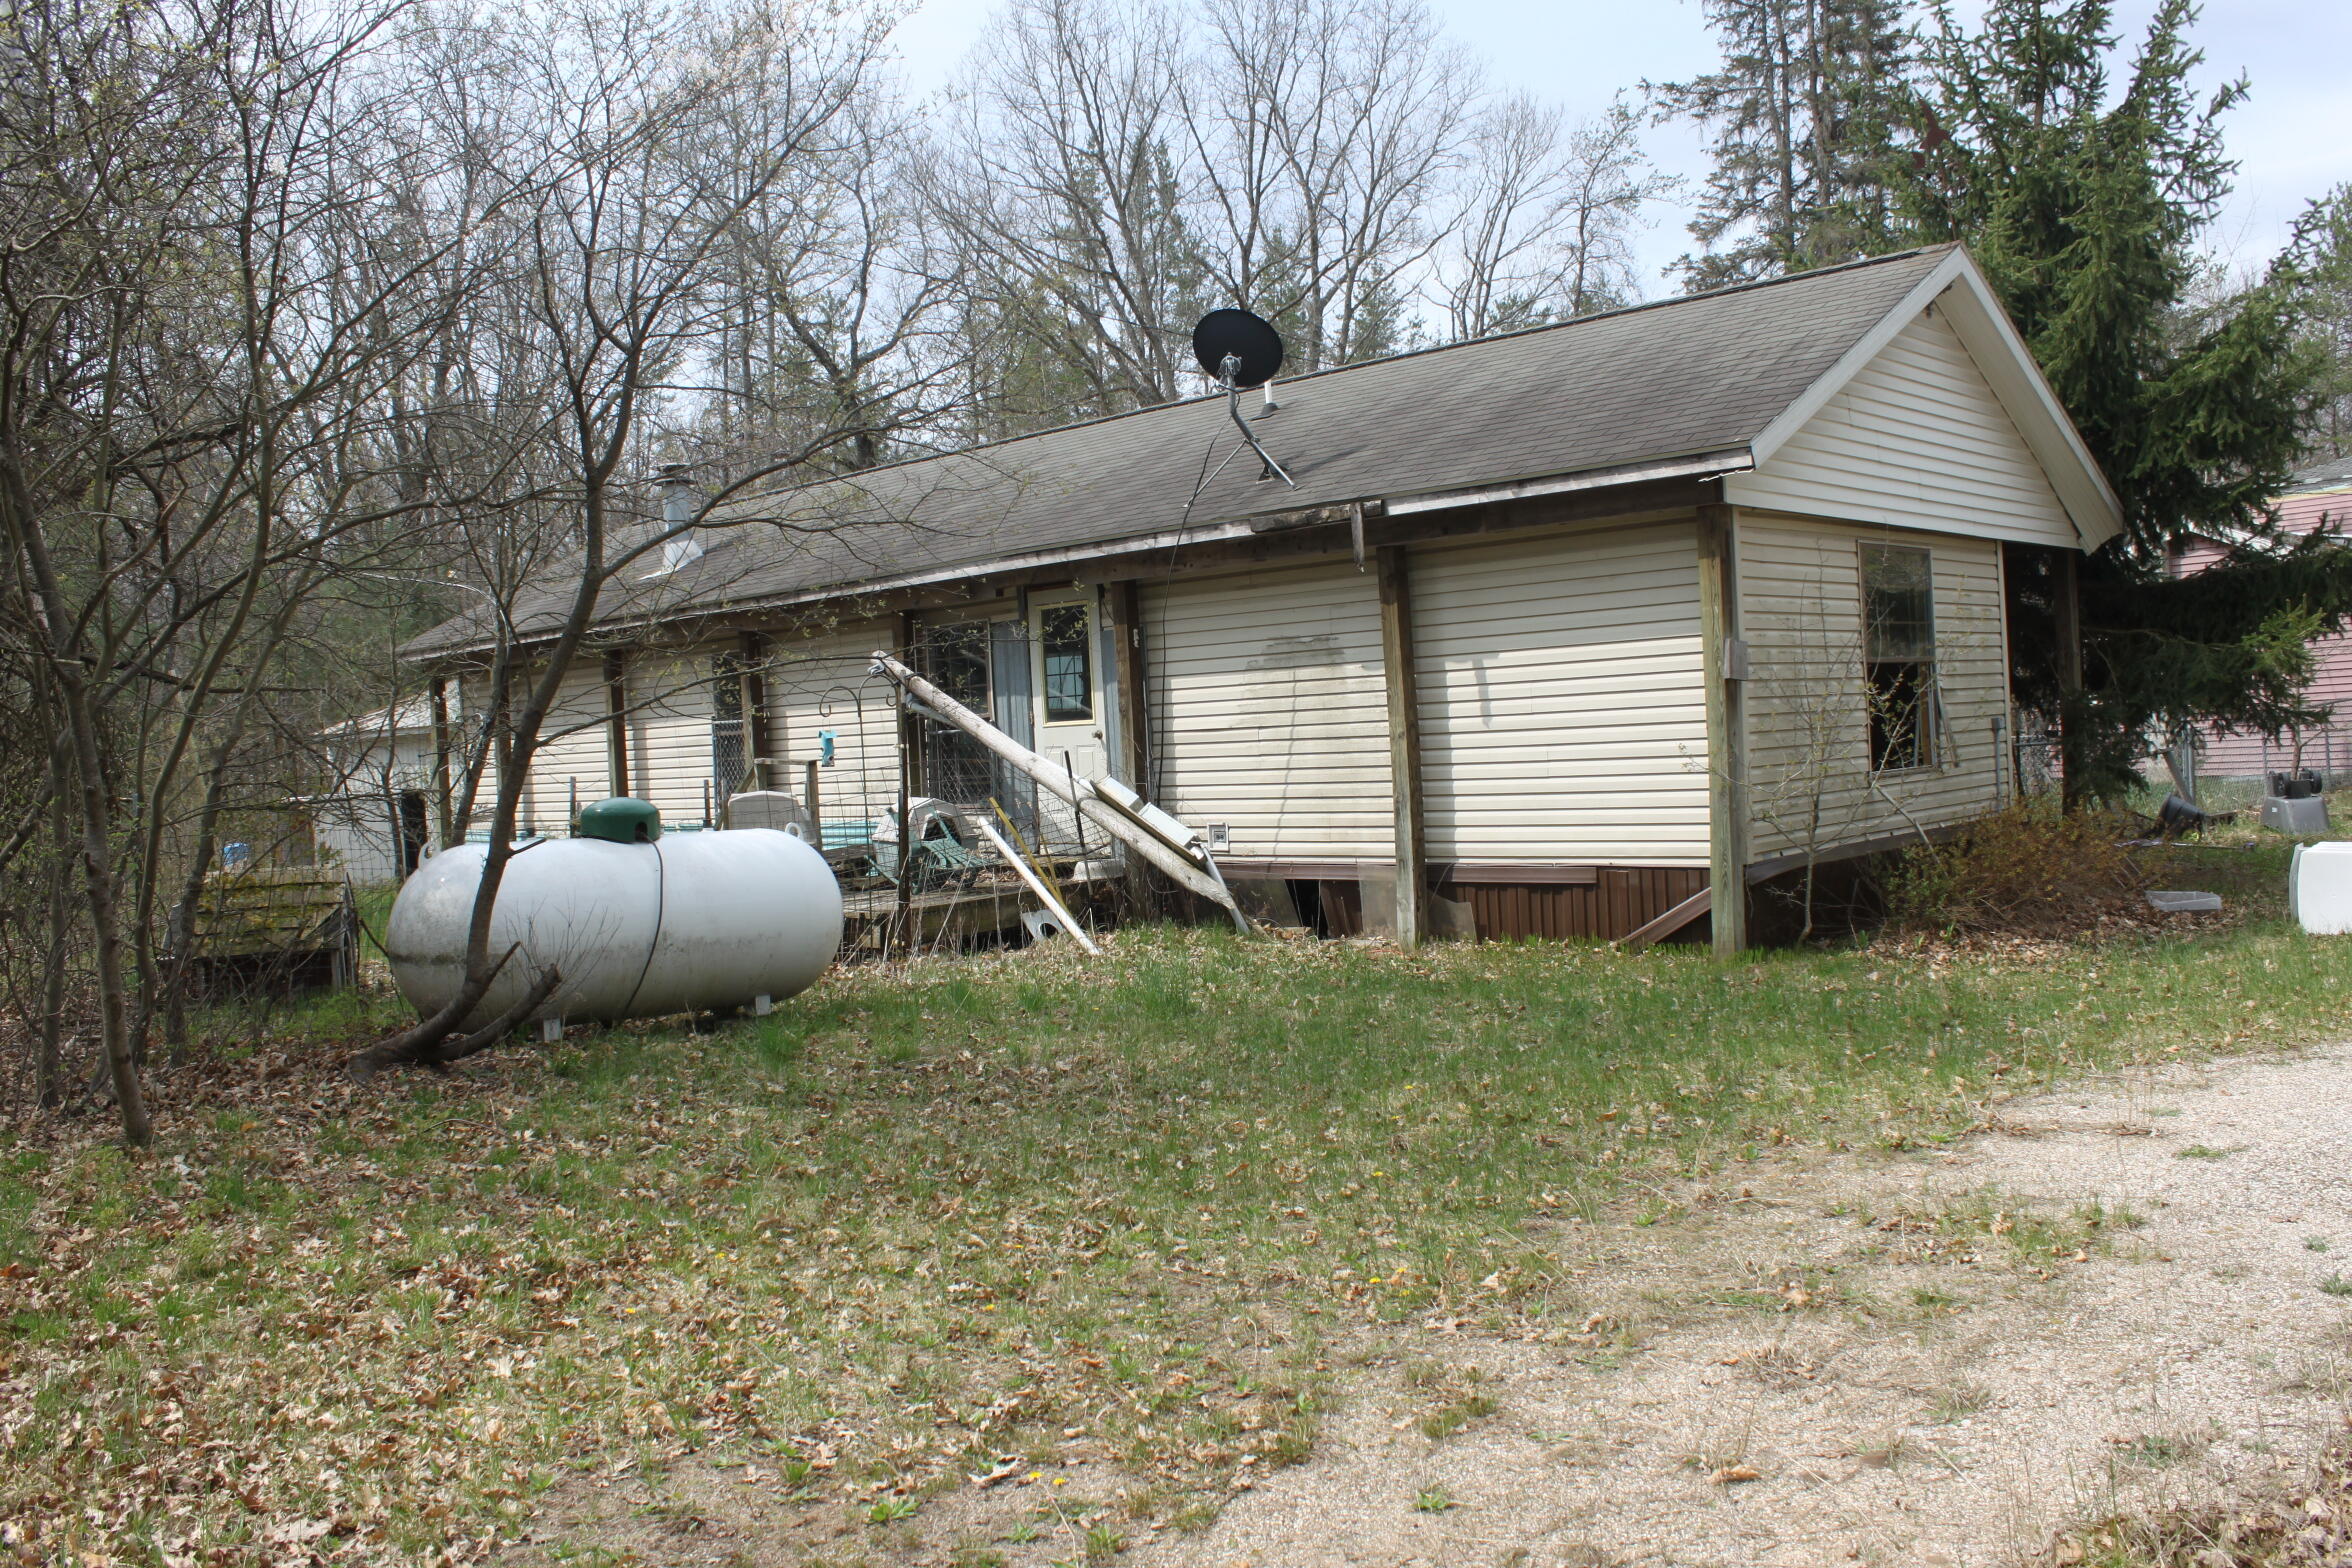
column 677, row 503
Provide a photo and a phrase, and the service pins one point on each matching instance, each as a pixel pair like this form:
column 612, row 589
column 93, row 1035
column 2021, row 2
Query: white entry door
column 1066, row 681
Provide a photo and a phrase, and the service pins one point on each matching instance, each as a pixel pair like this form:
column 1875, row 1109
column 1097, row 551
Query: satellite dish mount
column 1240, row 351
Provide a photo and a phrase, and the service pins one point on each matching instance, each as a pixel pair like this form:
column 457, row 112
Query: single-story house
column 373, row 822
column 2321, row 496
column 1554, row 633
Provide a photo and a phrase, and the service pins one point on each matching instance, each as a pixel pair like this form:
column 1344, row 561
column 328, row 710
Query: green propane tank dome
column 620, row 820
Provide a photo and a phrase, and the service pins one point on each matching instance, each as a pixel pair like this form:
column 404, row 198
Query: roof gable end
column 1956, row 289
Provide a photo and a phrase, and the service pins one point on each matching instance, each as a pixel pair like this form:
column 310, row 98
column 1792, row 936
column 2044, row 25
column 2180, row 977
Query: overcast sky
column 2293, row 137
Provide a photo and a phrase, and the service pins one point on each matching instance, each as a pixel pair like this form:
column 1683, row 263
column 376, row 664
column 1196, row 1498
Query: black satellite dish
column 1237, row 349
column 1240, row 350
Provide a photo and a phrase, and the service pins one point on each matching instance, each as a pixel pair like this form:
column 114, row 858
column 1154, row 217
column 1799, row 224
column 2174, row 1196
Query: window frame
column 1039, row 610
column 1911, row 743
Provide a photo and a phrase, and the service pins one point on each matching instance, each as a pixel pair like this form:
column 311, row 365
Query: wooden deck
column 943, row 918
column 946, row 917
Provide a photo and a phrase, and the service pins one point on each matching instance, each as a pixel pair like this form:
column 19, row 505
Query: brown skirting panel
column 1513, row 871
column 1617, row 902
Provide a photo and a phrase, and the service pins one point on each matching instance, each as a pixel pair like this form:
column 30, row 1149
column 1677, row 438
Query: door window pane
column 1066, row 650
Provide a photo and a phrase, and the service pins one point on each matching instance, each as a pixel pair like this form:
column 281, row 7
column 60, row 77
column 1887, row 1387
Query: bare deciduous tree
column 1327, row 133
column 1116, row 167
column 180, row 455
column 1550, row 210
column 1067, row 194
column 615, row 263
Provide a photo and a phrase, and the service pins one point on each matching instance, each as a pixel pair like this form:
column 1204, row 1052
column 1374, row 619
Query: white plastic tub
column 2319, row 888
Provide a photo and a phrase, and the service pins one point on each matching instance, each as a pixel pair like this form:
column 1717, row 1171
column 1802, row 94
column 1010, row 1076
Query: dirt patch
column 2121, row 1301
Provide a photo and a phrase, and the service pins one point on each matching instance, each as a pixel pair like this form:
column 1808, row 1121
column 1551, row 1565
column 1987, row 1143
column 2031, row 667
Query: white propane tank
column 690, row 922
column 2319, row 888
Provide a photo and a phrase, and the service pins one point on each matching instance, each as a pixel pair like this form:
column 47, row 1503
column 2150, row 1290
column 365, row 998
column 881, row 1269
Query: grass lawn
column 1115, row 1224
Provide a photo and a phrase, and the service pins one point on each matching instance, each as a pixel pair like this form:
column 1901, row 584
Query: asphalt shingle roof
column 1680, row 378
column 2334, row 474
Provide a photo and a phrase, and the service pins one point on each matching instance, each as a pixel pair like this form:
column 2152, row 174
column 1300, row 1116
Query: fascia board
column 1706, row 465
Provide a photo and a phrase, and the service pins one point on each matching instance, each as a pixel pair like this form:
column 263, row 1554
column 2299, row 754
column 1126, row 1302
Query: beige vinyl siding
column 1916, row 440
column 819, row 682
column 1807, row 730
column 669, row 732
column 1269, row 711
column 573, row 747
column 814, row 683
column 1563, row 718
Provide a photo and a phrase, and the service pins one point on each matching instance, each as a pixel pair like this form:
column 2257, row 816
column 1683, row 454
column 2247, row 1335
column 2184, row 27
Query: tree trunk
column 102, row 894
column 49, row 1070
column 95, row 824
column 2074, row 725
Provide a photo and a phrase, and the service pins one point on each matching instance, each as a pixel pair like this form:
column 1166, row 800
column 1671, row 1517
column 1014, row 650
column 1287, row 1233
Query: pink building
column 2321, row 493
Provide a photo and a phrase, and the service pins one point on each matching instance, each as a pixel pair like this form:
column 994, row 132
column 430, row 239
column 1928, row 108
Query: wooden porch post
column 1133, row 764
column 758, row 734
column 910, row 724
column 910, row 749
column 1404, row 746
column 616, row 722
column 1724, row 672
column 2066, row 613
column 443, row 806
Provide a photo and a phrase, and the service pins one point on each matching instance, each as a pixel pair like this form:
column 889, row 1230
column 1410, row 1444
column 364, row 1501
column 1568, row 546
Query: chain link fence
column 2035, row 763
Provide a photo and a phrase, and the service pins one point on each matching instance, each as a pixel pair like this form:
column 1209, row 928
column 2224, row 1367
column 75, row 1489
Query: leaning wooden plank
column 1044, row 893
column 1146, row 814
column 1184, row 871
column 1037, row 863
column 1668, row 923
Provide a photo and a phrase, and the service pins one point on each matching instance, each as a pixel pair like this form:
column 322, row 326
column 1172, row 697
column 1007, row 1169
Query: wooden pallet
column 277, row 928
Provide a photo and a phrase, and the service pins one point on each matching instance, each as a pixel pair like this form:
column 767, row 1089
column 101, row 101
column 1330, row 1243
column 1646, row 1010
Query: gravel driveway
column 1858, row 1362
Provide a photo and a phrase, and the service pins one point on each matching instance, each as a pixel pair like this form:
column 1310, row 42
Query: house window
column 954, row 765
column 955, row 656
column 1898, row 655
column 1065, row 647
column 728, row 762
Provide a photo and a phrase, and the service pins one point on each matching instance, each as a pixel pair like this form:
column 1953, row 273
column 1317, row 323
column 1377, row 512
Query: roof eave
column 1705, row 465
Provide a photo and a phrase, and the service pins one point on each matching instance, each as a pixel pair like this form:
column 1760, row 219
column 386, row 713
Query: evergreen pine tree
column 1801, row 117
column 2323, row 249
column 2083, row 203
